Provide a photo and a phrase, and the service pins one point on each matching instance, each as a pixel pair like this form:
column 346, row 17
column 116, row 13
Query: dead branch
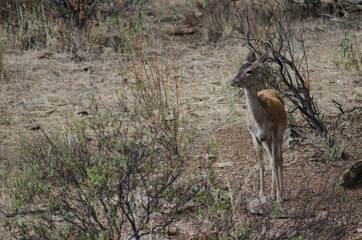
column 319, row 148
column 22, row 213
column 339, row 106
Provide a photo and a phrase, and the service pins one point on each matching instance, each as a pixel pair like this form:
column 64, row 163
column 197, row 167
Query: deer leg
column 259, row 158
column 280, row 175
column 268, row 147
column 280, row 168
column 277, row 169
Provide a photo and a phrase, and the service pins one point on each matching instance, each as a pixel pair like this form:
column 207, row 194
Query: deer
column 266, row 120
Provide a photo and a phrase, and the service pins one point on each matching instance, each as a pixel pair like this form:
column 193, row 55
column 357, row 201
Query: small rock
column 353, row 176
column 87, row 69
column 258, row 206
column 83, row 69
column 146, row 200
column 208, row 156
column 33, row 127
column 224, row 164
column 198, row 14
column 181, row 30
column 171, row 116
column 83, row 113
column 221, row 100
column 172, row 231
column 192, row 114
column 44, row 54
column 195, row 188
column 264, row 206
column 322, row 214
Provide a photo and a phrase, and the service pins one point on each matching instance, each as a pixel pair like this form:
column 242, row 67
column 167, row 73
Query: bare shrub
column 117, row 174
column 67, row 188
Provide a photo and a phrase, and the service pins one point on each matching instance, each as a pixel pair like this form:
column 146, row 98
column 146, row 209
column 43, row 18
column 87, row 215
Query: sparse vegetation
column 114, row 175
column 139, row 136
column 71, row 25
column 3, row 75
column 350, row 45
column 6, row 116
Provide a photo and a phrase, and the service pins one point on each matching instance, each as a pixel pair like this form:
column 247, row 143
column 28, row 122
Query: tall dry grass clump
column 3, row 74
column 67, row 24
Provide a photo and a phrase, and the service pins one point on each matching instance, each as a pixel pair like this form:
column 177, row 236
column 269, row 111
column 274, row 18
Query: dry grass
column 46, row 90
column 3, row 74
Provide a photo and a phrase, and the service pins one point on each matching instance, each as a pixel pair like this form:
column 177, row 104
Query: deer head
column 247, row 73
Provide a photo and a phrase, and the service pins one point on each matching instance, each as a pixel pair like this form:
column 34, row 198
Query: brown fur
column 273, row 104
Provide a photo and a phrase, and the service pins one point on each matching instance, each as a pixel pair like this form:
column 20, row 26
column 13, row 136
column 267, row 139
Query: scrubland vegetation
column 117, row 120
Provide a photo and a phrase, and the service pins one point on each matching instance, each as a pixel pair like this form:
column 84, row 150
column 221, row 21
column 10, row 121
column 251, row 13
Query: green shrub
column 350, row 45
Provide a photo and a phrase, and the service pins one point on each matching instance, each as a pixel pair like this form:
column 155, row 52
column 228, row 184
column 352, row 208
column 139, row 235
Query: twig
column 331, row 17
column 8, row 10
column 22, row 213
column 308, row 138
column 291, row 111
column 345, row 111
column 339, row 106
column 298, row 126
column 351, row 2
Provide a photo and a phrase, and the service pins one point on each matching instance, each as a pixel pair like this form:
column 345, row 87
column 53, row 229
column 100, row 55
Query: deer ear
column 263, row 57
column 250, row 57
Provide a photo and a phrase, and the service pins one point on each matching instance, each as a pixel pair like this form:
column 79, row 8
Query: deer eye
column 249, row 72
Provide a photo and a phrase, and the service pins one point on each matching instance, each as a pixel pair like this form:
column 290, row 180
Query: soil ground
column 43, row 91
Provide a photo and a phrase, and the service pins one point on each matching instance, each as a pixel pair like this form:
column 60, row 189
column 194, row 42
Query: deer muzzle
column 233, row 83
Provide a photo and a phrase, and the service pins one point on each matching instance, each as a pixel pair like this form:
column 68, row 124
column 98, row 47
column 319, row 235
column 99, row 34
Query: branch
column 22, row 213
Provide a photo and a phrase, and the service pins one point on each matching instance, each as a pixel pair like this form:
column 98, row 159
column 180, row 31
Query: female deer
column 266, row 120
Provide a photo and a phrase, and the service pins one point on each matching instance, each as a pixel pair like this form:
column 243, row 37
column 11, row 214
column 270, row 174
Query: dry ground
column 46, row 91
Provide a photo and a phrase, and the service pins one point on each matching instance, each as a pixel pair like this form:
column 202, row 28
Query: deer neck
column 253, row 103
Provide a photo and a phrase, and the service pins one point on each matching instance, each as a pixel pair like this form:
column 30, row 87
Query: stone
column 44, row 54
column 33, row 127
column 224, row 164
column 352, row 178
column 265, row 206
column 208, row 156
